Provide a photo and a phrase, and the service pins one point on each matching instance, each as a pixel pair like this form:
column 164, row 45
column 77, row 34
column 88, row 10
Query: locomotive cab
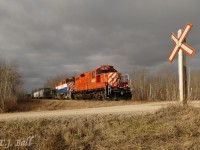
column 105, row 69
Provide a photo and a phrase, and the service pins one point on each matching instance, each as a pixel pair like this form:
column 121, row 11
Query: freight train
column 102, row 83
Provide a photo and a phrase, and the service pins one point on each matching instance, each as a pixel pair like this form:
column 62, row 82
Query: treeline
column 162, row 85
column 9, row 85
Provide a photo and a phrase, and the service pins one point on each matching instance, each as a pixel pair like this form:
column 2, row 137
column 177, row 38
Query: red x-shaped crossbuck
column 180, row 44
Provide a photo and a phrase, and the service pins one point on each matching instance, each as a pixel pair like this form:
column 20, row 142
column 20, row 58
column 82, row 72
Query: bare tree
column 9, row 82
column 194, row 91
column 139, row 83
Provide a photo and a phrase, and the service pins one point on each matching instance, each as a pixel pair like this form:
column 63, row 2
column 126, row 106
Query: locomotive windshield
column 106, row 69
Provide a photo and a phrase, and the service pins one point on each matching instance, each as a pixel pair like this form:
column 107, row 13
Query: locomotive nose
column 113, row 79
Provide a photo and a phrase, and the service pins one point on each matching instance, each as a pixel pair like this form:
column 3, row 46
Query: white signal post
column 182, row 72
column 182, row 49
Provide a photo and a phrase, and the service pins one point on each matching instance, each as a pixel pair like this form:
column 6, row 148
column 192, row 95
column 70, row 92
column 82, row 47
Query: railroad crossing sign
column 180, row 44
column 182, row 49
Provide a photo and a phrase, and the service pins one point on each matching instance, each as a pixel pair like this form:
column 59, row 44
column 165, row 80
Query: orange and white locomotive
column 102, row 83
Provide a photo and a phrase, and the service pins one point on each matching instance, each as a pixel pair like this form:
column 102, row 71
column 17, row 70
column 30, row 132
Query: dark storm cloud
column 48, row 37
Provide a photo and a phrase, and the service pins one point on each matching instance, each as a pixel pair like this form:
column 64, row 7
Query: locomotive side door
column 98, row 76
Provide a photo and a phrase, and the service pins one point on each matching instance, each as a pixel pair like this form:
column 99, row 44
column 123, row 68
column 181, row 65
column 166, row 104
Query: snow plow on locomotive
column 102, row 83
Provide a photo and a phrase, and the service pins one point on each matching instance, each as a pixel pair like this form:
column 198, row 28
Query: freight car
column 102, row 83
column 43, row 93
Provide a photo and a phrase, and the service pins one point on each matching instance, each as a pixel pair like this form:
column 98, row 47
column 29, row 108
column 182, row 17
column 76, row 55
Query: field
column 42, row 105
column 173, row 127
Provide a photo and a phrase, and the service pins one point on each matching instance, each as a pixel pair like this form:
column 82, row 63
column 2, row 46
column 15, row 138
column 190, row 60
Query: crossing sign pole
column 182, row 48
column 182, row 71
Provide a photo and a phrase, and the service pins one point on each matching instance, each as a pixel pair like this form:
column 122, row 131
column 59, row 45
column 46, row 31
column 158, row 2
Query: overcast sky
column 49, row 37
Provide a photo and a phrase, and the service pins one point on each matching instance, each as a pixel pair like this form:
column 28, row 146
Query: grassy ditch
column 173, row 127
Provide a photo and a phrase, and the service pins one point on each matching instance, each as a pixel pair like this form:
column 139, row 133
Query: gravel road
column 127, row 109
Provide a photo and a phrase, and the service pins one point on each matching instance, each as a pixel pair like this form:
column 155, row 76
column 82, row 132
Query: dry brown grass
column 41, row 105
column 174, row 127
